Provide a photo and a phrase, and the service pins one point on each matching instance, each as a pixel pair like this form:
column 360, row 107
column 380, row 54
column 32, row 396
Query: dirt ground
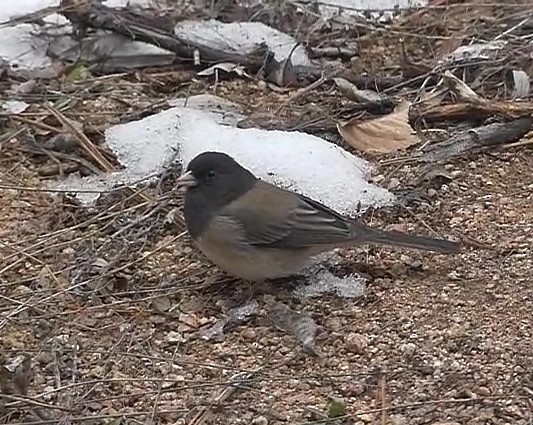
column 107, row 301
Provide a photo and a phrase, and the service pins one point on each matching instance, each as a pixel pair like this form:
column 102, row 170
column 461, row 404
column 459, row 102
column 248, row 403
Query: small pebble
column 483, row 391
column 249, row 333
column 260, row 420
column 356, row 343
column 393, row 183
column 398, row 420
column 367, row 417
column 454, row 276
column 174, row 337
column 262, row 85
column 409, row 349
column 334, row 324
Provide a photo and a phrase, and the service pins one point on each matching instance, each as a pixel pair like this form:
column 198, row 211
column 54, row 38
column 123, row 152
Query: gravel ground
column 437, row 339
column 102, row 309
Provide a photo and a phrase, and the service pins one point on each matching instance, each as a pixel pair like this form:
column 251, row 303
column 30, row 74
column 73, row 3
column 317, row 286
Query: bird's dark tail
column 365, row 234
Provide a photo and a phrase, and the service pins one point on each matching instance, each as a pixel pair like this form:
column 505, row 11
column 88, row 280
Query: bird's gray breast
column 223, row 242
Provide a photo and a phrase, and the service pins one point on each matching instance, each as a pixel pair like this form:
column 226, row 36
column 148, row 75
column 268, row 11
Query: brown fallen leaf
column 381, row 135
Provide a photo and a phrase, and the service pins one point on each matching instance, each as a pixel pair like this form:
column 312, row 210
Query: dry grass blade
column 235, row 382
column 83, row 140
column 17, row 400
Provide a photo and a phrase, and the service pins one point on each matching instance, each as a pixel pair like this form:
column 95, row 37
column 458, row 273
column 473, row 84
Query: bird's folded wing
column 276, row 218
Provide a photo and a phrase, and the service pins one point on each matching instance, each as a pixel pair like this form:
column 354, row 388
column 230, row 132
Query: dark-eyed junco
column 256, row 231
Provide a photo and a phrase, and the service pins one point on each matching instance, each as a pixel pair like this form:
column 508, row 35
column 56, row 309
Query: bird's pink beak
column 186, row 181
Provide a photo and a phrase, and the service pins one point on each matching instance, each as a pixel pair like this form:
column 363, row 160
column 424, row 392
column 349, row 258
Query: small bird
column 256, row 231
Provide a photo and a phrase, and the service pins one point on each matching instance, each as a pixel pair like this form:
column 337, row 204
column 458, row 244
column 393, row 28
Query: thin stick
column 82, row 139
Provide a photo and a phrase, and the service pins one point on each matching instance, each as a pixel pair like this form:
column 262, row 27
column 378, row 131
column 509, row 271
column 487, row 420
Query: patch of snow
column 14, row 106
column 21, row 49
column 474, row 52
column 11, row 9
column 293, row 160
column 22, row 46
column 114, row 50
column 242, row 37
column 378, row 10
column 324, row 282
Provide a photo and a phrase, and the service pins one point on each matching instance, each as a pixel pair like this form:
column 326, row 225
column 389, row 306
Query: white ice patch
column 304, row 163
column 377, row 10
column 242, row 37
column 22, row 46
column 325, row 283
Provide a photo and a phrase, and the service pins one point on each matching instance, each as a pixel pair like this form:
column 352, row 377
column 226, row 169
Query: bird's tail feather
column 364, row 234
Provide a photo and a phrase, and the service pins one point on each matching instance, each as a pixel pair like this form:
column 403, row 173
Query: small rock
column 393, row 183
column 189, row 319
column 408, row 349
column 174, row 337
column 44, row 358
column 432, row 193
column 416, row 265
column 456, row 220
column 356, row 343
column 378, row 179
column 249, row 334
column 247, row 417
column 260, row 420
column 334, row 324
column 483, row 391
column 161, row 304
column 262, row 85
column 354, row 389
column 454, row 275
column 367, row 417
column 405, row 259
column 398, row 420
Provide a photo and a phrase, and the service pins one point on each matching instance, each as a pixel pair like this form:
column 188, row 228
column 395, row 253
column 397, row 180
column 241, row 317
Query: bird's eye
column 211, row 174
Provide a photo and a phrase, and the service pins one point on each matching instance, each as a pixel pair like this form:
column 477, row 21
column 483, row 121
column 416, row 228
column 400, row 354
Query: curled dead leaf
column 386, row 134
column 460, row 88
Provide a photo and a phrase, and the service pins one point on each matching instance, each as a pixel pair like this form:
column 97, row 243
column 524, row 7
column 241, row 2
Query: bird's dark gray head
column 212, row 180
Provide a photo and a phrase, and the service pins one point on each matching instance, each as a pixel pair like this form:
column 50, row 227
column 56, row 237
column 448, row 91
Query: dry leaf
column 351, row 91
column 381, row 135
column 459, row 87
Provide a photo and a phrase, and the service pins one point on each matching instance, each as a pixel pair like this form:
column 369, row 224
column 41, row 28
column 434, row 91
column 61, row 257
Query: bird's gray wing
column 275, row 218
